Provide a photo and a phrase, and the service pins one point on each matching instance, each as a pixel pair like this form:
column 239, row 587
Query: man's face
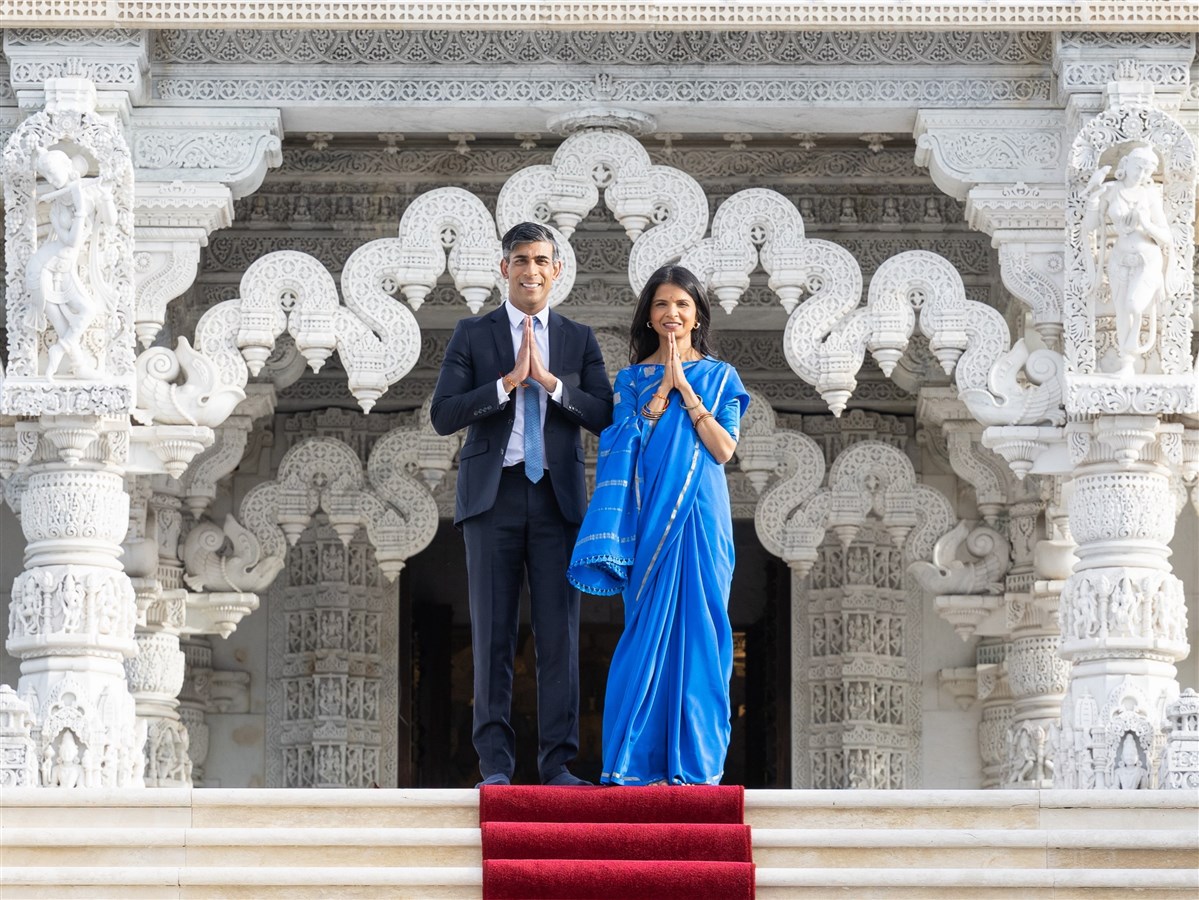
column 530, row 270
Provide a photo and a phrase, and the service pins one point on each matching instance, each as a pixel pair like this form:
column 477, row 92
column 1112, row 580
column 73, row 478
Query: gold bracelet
column 512, row 385
column 650, row 414
column 663, row 397
column 699, row 401
column 701, row 417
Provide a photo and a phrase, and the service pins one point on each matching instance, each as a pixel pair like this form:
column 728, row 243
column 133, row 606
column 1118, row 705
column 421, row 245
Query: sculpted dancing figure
column 659, row 529
column 523, row 380
column 1130, row 211
column 53, row 276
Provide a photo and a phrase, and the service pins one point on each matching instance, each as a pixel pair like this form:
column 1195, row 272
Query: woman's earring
column 649, row 325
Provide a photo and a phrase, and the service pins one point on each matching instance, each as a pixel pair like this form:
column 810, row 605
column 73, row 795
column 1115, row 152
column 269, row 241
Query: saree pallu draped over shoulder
column 659, row 530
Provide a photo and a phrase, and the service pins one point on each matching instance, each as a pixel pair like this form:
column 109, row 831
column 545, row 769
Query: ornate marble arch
column 1000, row 385
column 319, row 474
column 452, row 219
column 663, row 210
column 377, row 338
column 750, row 224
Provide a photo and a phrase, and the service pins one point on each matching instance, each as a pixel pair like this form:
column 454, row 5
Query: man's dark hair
column 528, row 233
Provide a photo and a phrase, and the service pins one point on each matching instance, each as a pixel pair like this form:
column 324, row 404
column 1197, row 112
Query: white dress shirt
column 515, row 451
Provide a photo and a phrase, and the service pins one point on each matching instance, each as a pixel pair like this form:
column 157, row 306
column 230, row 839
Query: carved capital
column 966, row 148
column 1018, row 211
column 1085, row 62
column 1034, row 274
column 234, row 147
column 115, row 59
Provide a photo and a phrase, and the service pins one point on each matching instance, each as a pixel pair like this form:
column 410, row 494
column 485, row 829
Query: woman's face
column 1139, row 169
column 672, row 311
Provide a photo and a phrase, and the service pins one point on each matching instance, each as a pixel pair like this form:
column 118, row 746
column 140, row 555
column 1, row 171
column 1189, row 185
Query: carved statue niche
column 1129, row 770
column 66, row 276
column 1129, row 292
column 68, row 249
column 1128, row 252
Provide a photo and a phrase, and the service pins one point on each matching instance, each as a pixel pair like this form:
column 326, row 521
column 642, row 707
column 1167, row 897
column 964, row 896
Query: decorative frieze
column 733, row 89
column 868, row 15
column 442, row 47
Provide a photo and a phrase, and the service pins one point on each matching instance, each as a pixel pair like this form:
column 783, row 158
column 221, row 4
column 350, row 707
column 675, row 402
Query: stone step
column 243, row 808
column 414, row 843
column 929, row 848
column 1050, row 810
column 427, row 847
column 261, row 882
column 340, row 847
column 433, row 883
column 995, row 883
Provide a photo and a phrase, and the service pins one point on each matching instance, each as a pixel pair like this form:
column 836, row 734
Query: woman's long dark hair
column 643, row 340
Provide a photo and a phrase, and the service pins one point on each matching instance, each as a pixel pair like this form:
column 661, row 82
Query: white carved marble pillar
column 334, row 668
column 995, row 724
column 1037, row 675
column 156, row 673
column 853, row 653
column 69, row 375
column 855, row 627
column 73, row 610
column 1132, row 392
column 1123, row 612
column 194, row 699
column 18, row 758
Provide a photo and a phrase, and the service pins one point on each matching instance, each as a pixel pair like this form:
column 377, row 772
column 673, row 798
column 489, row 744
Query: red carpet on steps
column 574, row 843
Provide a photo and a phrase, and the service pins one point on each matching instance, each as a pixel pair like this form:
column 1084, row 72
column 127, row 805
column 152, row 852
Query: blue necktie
column 534, row 460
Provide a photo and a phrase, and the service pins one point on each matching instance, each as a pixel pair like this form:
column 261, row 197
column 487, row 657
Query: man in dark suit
column 523, row 379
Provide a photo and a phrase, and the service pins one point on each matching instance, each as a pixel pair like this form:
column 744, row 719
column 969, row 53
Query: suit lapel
column 557, row 343
column 501, row 334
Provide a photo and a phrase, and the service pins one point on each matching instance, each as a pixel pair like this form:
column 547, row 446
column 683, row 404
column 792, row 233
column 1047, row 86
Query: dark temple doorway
column 439, row 671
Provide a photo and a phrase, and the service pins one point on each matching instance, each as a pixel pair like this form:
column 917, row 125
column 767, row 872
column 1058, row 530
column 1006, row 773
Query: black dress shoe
column 565, row 779
column 493, row 780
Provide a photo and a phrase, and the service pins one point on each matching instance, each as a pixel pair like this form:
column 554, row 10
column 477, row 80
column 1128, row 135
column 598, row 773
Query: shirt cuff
column 556, row 393
column 502, row 391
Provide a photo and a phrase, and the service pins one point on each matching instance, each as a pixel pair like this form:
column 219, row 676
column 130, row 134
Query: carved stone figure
column 53, row 277
column 66, row 770
column 1131, row 774
column 1130, row 212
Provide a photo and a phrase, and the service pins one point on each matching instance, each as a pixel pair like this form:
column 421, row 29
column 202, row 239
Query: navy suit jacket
column 479, row 353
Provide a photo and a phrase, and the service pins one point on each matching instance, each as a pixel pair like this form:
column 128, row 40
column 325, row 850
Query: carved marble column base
column 87, row 732
column 1038, row 677
column 1180, row 766
column 155, row 678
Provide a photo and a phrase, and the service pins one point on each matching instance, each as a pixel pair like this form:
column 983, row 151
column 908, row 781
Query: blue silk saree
column 659, row 530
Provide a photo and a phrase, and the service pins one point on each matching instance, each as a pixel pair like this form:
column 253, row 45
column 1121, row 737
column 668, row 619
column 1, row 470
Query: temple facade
column 951, row 250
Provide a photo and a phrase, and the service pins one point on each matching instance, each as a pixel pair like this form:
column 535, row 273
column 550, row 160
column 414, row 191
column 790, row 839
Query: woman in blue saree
column 659, row 530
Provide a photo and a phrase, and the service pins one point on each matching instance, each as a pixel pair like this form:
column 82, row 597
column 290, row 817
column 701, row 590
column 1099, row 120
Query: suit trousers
column 524, row 535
